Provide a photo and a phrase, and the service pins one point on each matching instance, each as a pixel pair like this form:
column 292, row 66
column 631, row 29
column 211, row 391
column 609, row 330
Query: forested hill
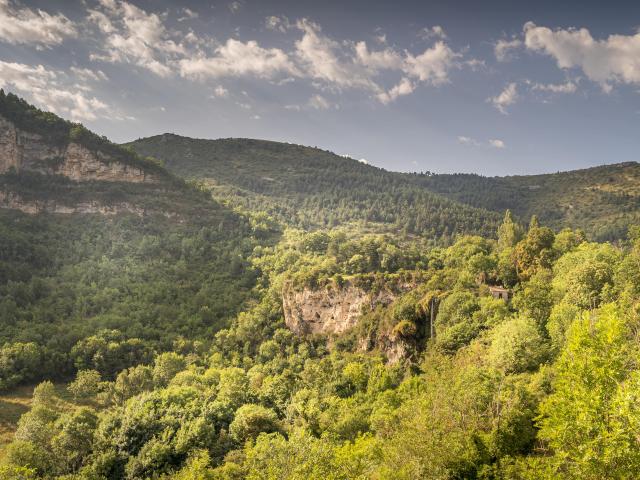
column 313, row 188
column 601, row 200
column 103, row 249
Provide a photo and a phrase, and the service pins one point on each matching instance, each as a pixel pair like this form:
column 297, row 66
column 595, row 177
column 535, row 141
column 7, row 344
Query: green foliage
column 517, row 346
column 312, row 188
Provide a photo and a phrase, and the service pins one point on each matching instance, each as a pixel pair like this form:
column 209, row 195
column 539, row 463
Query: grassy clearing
column 15, row 403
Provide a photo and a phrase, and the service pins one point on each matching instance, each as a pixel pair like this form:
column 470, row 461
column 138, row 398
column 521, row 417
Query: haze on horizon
column 495, row 89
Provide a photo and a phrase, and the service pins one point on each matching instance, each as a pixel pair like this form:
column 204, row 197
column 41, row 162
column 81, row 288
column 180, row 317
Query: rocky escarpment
column 23, row 150
column 13, row 201
column 329, row 310
column 336, row 309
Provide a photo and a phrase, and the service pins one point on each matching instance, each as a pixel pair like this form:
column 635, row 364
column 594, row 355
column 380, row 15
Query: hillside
column 99, row 243
column 314, row 187
column 602, row 200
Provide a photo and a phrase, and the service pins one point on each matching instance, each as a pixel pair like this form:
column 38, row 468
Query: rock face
column 15, row 202
column 28, row 151
column 330, row 310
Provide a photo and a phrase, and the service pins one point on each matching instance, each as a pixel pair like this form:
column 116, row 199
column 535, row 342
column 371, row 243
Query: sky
column 488, row 87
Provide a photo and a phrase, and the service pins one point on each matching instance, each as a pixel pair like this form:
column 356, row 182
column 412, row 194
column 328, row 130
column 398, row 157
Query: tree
column 509, row 232
column 586, row 420
column 517, row 346
column 86, row 385
column 166, row 366
column 250, row 420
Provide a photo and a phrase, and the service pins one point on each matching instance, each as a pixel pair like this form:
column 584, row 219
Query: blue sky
column 492, row 87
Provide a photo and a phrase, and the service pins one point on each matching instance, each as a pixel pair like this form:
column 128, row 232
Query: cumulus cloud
column 492, row 143
column 378, row 60
column 322, row 58
column 54, row 91
column 354, row 65
column 235, row 58
column 503, row 48
column 507, row 97
column 404, row 87
column 134, row 36
column 615, row 59
column 433, row 65
column 37, row 27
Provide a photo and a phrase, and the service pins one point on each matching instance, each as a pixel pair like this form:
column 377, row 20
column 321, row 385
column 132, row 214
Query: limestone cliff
column 329, row 310
column 13, row 201
column 23, row 150
column 335, row 310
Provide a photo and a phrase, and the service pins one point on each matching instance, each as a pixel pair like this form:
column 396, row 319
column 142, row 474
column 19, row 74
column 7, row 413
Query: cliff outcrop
column 13, row 201
column 23, row 150
column 336, row 310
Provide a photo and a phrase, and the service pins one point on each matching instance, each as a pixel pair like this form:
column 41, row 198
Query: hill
column 314, row 187
column 100, row 245
column 602, row 200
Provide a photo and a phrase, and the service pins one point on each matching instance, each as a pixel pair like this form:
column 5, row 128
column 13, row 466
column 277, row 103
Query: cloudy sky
column 493, row 87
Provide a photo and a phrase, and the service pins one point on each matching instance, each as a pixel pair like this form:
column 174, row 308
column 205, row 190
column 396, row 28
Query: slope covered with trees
column 312, row 188
column 540, row 387
column 318, row 188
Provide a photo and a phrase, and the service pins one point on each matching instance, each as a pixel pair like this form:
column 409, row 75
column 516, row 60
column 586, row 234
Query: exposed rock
column 80, row 164
column 333, row 310
column 28, row 151
column 330, row 310
column 15, row 202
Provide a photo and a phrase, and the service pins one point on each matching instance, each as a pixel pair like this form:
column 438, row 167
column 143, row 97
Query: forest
column 153, row 343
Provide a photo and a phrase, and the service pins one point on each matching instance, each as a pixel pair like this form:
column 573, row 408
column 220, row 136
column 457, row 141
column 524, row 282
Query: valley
column 229, row 309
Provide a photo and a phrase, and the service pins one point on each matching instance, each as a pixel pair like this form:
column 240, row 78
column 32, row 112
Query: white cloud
column 86, row 74
column 220, row 92
column 507, row 97
column 235, row 58
column 54, row 91
column 492, row 143
column 26, row 26
column 567, row 87
column 436, row 31
column 614, row 60
column 319, row 102
column 503, row 48
column 433, row 65
column 278, row 24
column 322, row 59
column 378, row 60
column 134, row 36
column 404, row 87
column 188, row 14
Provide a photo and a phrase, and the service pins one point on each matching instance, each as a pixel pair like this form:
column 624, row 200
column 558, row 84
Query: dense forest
column 308, row 187
column 153, row 342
